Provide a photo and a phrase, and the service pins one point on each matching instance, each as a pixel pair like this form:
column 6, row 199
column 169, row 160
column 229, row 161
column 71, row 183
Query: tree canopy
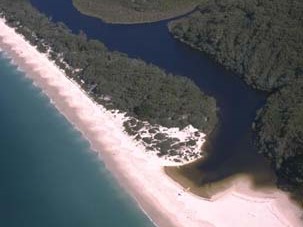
column 142, row 90
column 135, row 11
column 262, row 41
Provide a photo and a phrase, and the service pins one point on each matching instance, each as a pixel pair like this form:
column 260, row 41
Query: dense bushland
column 263, row 42
column 112, row 79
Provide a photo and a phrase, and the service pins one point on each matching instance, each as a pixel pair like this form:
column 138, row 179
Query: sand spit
column 141, row 174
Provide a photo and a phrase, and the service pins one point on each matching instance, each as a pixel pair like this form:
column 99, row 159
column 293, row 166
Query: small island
column 137, row 11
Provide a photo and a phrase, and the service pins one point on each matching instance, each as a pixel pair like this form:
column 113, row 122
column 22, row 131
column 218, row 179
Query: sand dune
column 142, row 174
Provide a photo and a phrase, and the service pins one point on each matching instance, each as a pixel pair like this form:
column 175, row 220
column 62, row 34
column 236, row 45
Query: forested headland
column 136, row 11
column 262, row 41
column 143, row 91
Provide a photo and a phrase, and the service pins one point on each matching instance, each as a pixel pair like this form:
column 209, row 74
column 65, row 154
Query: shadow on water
column 230, row 147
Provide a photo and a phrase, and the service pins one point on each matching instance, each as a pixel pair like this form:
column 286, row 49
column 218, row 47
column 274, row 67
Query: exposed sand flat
column 141, row 174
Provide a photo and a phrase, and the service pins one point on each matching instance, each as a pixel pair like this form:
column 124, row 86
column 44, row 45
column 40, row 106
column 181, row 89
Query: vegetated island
column 29, row 40
column 262, row 41
column 136, row 11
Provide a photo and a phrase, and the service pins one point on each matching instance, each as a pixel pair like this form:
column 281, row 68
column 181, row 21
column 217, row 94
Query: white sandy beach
column 141, row 174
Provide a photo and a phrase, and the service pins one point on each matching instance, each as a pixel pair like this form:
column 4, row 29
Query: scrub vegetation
column 135, row 11
column 262, row 41
column 141, row 90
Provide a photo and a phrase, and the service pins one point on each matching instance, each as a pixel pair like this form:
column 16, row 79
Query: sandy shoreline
column 143, row 176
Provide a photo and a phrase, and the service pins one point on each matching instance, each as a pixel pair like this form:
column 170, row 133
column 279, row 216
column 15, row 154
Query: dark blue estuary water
column 48, row 176
column 231, row 145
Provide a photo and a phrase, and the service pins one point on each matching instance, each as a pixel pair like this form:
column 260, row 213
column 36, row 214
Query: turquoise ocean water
column 48, row 175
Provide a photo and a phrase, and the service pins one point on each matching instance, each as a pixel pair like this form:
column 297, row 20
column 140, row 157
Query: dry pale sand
column 143, row 176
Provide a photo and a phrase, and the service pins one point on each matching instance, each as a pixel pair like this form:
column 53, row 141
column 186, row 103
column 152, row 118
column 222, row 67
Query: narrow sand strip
column 142, row 175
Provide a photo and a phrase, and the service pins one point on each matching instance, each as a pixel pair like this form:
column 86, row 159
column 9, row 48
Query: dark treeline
column 280, row 134
column 112, row 79
column 137, row 5
column 261, row 40
column 135, row 11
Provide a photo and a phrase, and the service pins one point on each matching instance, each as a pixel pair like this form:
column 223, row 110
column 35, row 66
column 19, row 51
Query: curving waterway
column 231, row 145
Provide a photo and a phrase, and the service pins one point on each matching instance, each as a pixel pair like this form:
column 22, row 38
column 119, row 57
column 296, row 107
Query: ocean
column 49, row 177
